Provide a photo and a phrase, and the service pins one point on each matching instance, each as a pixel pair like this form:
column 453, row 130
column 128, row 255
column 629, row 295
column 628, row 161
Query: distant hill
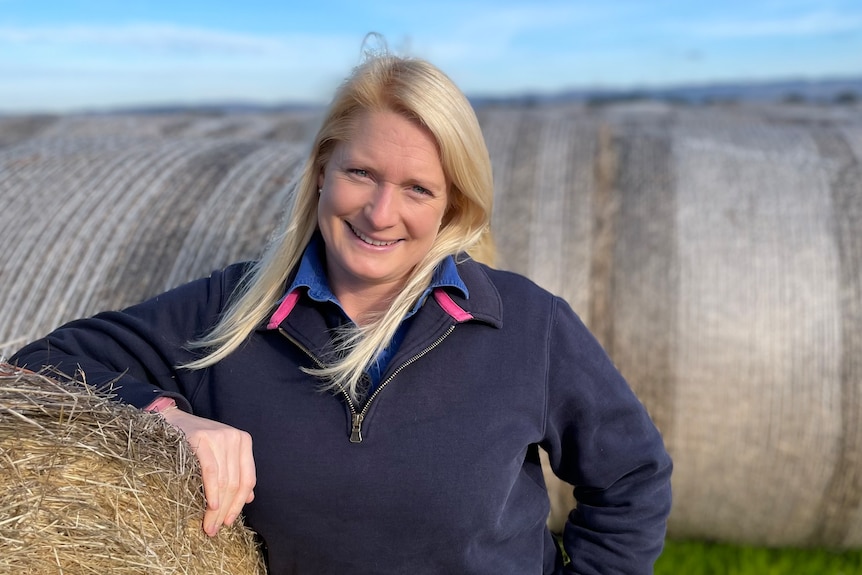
column 829, row 91
column 826, row 91
column 816, row 92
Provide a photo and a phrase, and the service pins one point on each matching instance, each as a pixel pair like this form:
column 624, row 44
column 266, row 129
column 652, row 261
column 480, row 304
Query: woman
column 396, row 390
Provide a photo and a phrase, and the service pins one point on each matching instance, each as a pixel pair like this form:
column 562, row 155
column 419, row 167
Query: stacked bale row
column 715, row 252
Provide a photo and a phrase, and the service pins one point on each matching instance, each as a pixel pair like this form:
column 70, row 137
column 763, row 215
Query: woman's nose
column 382, row 208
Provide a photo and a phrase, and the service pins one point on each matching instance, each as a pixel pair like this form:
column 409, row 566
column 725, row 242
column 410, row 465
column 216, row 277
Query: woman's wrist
column 161, row 405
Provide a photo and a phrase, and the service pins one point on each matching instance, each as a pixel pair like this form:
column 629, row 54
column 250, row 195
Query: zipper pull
column 356, row 431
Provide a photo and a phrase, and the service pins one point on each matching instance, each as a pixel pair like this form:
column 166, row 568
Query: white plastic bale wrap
column 715, row 252
column 101, row 212
column 736, row 314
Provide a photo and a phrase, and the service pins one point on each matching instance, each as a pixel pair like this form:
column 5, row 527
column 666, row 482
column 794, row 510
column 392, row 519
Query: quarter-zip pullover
column 446, row 477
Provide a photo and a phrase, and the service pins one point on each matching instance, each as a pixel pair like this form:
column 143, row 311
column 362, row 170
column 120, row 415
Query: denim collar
column 311, row 274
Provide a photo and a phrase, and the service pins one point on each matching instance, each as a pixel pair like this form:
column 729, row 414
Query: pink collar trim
column 283, row 310
column 449, row 306
column 443, row 299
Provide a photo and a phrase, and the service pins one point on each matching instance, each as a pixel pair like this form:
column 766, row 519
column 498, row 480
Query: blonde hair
column 421, row 92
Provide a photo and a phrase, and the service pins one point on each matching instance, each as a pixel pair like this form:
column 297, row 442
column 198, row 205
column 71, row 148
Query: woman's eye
column 358, row 172
column 421, row 190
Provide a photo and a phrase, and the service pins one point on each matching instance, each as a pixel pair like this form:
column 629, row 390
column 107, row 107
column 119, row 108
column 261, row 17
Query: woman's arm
column 137, row 351
column 600, row 438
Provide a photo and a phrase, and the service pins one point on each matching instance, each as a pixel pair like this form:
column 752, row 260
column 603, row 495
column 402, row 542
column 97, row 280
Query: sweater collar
column 311, row 274
column 302, row 321
column 484, row 304
column 450, row 290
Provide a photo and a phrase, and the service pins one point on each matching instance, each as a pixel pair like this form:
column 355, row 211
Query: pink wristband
column 161, row 404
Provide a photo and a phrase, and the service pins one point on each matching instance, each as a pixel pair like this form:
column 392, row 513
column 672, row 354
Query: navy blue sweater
column 446, row 477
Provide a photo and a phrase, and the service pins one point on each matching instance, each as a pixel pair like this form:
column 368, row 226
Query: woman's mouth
column 367, row 240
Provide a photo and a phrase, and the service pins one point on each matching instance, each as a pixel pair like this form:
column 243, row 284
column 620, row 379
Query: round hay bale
column 716, row 252
column 91, row 486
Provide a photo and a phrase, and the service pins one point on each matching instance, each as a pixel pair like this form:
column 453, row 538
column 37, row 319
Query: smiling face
column 383, row 197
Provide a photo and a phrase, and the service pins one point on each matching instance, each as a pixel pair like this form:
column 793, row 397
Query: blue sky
column 90, row 54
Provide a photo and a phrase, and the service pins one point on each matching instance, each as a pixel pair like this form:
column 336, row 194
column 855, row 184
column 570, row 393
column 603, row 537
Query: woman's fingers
column 242, row 480
column 227, row 466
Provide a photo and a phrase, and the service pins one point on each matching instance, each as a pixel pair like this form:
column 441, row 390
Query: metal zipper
column 313, row 357
column 356, row 418
column 356, row 427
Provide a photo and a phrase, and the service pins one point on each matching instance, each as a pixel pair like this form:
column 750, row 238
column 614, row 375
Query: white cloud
column 166, row 38
column 80, row 66
column 477, row 31
column 813, row 24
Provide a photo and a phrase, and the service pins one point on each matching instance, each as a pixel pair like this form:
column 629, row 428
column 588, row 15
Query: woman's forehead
column 384, row 137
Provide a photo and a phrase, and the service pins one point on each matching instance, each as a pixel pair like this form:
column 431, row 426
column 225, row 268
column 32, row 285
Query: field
column 699, row 558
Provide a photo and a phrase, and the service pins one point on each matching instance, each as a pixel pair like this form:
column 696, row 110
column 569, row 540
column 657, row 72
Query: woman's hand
column 227, row 466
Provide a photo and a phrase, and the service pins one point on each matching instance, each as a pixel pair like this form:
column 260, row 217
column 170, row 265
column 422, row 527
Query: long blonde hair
column 421, row 92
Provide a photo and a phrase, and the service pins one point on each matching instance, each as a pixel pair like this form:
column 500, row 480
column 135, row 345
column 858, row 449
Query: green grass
column 698, row 558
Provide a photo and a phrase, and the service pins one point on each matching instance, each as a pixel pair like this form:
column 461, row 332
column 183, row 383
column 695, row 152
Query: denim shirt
column 311, row 274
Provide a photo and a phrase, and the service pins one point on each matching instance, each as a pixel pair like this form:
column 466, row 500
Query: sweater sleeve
column 136, row 351
column 601, row 440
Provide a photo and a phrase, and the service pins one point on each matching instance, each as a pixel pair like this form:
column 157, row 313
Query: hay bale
column 91, row 486
column 717, row 255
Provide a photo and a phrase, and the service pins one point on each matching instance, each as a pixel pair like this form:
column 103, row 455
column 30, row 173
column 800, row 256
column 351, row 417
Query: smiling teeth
column 368, row 240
